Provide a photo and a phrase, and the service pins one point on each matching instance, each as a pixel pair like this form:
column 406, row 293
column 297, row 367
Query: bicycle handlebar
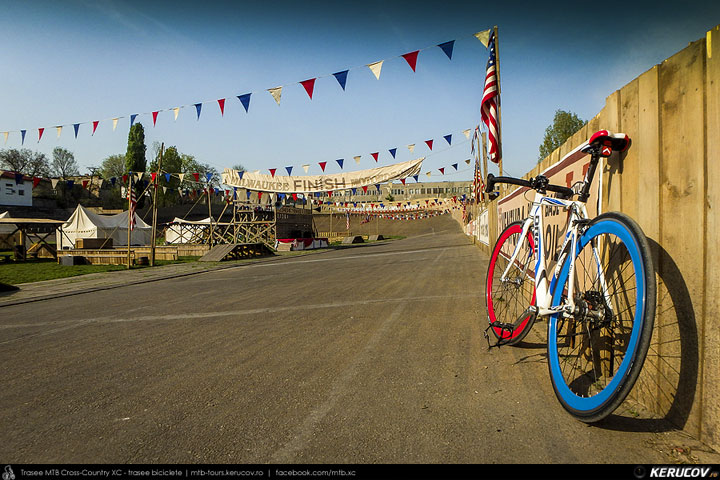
column 539, row 183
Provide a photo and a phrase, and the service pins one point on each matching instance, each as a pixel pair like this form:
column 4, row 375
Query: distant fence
column 669, row 182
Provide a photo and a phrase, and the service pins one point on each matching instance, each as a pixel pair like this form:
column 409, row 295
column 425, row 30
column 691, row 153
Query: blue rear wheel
column 596, row 354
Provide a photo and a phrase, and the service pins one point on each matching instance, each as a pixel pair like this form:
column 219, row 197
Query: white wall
column 13, row 194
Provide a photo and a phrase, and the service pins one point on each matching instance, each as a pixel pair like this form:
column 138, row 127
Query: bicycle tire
column 593, row 371
column 520, row 295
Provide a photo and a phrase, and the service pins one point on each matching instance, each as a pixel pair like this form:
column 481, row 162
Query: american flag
column 347, row 221
column 489, row 104
column 131, row 209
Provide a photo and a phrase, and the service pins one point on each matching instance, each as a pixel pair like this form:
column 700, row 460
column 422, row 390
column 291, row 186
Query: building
column 15, row 190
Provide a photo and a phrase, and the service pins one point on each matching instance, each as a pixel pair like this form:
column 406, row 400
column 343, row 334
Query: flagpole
column 484, row 157
column 499, row 117
column 129, row 195
column 155, row 195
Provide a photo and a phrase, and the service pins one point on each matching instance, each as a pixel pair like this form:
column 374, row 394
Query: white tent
column 85, row 224
column 185, row 231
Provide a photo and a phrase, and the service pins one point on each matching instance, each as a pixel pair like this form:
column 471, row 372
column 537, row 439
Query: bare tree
column 34, row 164
column 64, row 164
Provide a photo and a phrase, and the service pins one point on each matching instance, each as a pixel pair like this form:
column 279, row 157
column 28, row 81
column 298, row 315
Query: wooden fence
column 669, row 182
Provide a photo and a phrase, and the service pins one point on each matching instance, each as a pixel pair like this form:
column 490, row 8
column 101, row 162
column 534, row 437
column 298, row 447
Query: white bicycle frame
column 543, row 295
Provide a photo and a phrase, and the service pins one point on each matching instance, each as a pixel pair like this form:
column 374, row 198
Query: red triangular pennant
column 429, row 143
column 309, row 85
column 153, row 175
column 85, row 183
column 95, row 124
column 259, row 195
column 322, row 165
column 294, row 195
column 329, row 193
column 40, row 132
column 272, row 172
column 411, row 58
column 154, row 114
column 36, row 180
column 442, row 170
column 125, row 178
column 197, row 176
column 221, row 102
column 375, row 155
column 403, row 181
column 365, row 188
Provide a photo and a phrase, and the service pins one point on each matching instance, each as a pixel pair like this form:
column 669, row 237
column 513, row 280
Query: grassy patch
column 14, row 273
column 35, row 271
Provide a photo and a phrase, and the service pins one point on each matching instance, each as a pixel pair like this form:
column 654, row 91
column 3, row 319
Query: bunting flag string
column 341, row 76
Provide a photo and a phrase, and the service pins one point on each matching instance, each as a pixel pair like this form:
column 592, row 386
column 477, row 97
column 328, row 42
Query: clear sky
column 80, row 61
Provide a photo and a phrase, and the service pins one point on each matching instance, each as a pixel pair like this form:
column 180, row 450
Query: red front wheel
column 508, row 299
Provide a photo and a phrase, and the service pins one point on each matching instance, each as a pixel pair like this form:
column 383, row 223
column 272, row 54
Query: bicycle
column 600, row 301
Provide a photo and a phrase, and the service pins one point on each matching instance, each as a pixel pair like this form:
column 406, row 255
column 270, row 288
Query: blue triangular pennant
column 289, row 170
column 167, row 177
column 393, row 151
column 245, row 100
column 448, row 138
column 248, row 194
column 447, row 47
column 281, row 196
column 240, row 174
column 22, row 134
column 454, row 165
column 198, row 107
column 18, row 179
column 208, row 176
column 377, row 185
column 341, row 77
column 234, row 193
column 113, row 180
column 132, row 118
column 354, row 190
column 70, row 183
column 76, row 126
column 340, row 162
column 416, row 178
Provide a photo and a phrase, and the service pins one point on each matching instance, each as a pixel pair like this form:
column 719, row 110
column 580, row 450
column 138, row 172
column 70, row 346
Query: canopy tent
column 185, row 231
column 85, row 224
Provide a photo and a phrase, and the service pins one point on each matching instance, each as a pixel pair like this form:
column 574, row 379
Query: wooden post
column 130, row 212
column 499, row 117
column 155, row 195
column 210, row 238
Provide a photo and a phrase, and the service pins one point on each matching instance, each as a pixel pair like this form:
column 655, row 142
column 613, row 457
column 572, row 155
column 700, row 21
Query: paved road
column 367, row 354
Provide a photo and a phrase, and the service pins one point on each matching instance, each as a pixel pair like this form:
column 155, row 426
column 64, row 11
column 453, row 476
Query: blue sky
column 79, row 61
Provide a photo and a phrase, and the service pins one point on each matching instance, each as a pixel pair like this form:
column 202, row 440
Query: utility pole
column 130, row 213
column 155, row 195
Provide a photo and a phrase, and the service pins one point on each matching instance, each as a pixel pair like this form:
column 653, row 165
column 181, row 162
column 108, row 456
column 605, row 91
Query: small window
column 21, row 193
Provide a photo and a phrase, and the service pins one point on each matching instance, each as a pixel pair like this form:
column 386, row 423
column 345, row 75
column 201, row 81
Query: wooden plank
column 629, row 162
column 612, row 180
column 710, row 432
column 682, row 201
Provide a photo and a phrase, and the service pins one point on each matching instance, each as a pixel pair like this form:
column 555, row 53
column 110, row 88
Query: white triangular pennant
column 484, row 37
column 357, row 159
column 375, row 68
column 181, row 176
column 115, row 120
column 6, row 135
column 59, row 131
column 276, row 93
column 164, row 189
column 176, row 110
column 54, row 182
column 467, row 133
column 411, row 147
column 428, row 174
column 306, row 167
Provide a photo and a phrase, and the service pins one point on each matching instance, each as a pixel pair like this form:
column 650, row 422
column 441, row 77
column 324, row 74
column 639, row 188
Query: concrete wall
column 669, row 182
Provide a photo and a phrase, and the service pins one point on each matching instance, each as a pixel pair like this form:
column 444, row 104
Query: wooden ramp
column 233, row 251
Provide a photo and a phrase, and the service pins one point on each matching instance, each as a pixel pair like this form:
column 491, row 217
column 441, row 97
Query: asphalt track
column 370, row 354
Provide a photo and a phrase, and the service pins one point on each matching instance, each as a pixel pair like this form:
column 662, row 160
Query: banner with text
column 321, row 183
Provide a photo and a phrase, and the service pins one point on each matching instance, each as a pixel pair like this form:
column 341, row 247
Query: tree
column 171, row 163
column 135, row 158
column 64, row 164
column 564, row 125
column 33, row 164
column 113, row 166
